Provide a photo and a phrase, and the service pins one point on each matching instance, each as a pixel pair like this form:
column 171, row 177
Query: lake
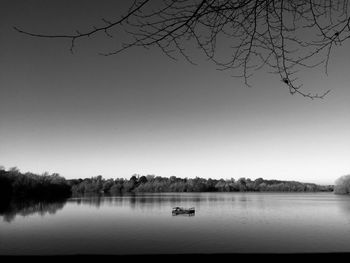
column 144, row 224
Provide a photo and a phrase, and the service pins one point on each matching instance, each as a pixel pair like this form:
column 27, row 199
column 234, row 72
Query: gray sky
column 139, row 112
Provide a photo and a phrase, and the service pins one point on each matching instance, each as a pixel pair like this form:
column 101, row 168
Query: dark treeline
column 17, row 185
column 30, row 186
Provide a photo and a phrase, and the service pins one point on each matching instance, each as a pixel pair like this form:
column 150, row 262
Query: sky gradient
column 82, row 114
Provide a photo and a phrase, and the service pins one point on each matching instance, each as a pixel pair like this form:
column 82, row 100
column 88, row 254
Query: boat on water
column 180, row 210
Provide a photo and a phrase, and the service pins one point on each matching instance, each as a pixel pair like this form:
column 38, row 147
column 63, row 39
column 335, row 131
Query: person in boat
column 180, row 209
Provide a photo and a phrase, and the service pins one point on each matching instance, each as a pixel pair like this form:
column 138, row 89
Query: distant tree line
column 157, row 184
column 17, row 185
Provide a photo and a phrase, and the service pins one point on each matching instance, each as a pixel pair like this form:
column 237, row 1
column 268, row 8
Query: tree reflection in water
column 140, row 201
column 9, row 210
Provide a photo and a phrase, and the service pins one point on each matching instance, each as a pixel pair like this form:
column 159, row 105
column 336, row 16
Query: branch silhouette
column 284, row 36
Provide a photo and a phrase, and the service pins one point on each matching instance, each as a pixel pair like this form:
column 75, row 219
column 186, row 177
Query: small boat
column 180, row 210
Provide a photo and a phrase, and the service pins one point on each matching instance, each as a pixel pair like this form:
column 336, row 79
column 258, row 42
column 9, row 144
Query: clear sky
column 82, row 114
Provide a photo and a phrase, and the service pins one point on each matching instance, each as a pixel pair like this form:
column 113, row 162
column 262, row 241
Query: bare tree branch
column 283, row 35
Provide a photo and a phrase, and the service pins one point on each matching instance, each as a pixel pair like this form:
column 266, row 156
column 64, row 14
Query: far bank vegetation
column 157, row 184
column 15, row 184
column 342, row 185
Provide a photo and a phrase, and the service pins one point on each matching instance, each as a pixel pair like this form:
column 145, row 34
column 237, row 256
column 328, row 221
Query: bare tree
column 342, row 185
column 285, row 36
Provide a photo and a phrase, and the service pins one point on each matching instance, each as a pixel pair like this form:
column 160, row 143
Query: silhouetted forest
column 17, row 185
column 25, row 186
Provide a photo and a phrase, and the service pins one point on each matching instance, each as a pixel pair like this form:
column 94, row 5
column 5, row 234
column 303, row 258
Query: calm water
column 142, row 224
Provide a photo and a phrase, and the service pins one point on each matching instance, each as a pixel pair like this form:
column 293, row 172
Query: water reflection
column 343, row 202
column 189, row 214
column 154, row 201
column 140, row 201
column 143, row 224
column 9, row 210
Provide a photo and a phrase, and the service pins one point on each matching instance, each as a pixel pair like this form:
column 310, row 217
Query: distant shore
column 17, row 185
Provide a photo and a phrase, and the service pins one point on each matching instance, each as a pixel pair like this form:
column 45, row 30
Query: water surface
column 144, row 224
